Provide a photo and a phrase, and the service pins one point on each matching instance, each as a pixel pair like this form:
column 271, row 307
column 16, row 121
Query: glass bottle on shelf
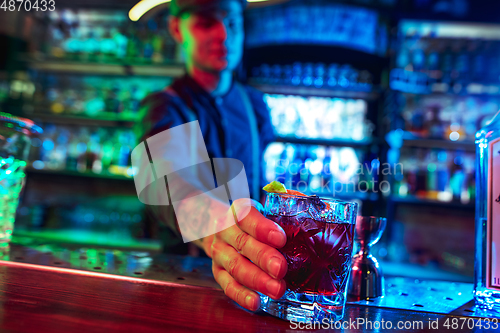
column 94, row 162
column 82, row 147
column 107, row 149
column 433, row 53
column 72, row 154
column 447, row 64
column 463, row 64
column 487, row 264
column 121, row 42
column 108, row 47
column 61, row 149
column 457, row 180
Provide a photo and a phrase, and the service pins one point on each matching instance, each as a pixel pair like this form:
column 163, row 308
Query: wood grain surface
column 47, row 299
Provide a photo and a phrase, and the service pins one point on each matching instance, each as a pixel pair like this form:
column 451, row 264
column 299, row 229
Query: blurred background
column 376, row 101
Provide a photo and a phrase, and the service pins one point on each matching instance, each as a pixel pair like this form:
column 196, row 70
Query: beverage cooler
column 321, row 75
column 444, row 87
column 85, row 72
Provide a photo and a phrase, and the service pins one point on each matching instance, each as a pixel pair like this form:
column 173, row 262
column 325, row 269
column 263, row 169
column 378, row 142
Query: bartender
column 235, row 123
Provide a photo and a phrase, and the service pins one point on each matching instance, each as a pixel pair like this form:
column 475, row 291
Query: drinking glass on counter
column 14, row 148
column 318, row 251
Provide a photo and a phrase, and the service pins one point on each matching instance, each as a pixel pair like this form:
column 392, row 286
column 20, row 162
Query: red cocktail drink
column 318, row 254
column 319, row 247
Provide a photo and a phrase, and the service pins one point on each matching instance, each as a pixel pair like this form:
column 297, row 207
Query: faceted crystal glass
column 318, row 252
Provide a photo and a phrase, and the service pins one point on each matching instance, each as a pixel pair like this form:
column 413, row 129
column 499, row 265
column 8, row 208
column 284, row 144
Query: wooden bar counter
column 60, row 296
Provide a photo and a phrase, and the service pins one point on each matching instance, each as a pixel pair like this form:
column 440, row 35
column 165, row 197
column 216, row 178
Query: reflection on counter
column 145, row 262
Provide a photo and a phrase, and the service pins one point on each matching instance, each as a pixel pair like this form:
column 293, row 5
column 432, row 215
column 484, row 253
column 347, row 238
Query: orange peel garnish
column 293, row 192
column 277, row 187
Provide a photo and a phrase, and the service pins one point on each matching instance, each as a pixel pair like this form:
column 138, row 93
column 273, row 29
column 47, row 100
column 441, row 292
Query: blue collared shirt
column 223, row 120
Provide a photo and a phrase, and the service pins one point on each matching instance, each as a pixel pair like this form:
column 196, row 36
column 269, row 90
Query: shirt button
column 229, row 153
column 224, row 122
column 218, row 101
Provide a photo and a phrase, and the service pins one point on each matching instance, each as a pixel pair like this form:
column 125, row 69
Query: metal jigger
column 367, row 280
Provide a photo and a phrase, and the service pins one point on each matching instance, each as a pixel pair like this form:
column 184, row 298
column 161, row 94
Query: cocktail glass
column 14, row 148
column 318, row 251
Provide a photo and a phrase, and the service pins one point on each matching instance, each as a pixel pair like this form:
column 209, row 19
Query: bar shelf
column 170, row 70
column 106, row 119
column 430, row 84
column 313, row 91
column 414, row 200
column 442, row 144
column 412, row 140
column 327, row 142
column 104, row 175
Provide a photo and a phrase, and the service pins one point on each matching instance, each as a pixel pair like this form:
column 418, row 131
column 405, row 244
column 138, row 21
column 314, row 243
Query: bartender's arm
column 244, row 255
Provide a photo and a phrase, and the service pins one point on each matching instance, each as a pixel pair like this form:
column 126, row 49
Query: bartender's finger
column 266, row 257
column 246, row 272
column 254, row 223
column 234, row 290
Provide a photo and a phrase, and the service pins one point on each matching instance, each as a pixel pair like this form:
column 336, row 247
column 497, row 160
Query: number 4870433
column 28, row 5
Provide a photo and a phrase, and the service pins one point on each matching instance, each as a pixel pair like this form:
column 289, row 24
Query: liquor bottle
column 121, row 42
column 82, row 146
column 107, row 47
column 332, row 75
column 61, row 149
column 94, row 162
column 487, row 264
column 457, row 180
column 276, row 74
column 463, row 64
column 433, row 56
column 446, row 65
column 107, row 150
column 326, row 175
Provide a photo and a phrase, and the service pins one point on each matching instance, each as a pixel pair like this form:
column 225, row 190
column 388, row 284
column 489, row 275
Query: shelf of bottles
column 447, row 80
column 102, row 36
column 15, row 86
column 89, row 70
column 318, row 23
column 320, row 118
column 314, row 79
column 87, row 151
column 446, row 118
column 74, row 98
column 435, row 175
column 447, row 58
column 343, row 173
column 324, row 145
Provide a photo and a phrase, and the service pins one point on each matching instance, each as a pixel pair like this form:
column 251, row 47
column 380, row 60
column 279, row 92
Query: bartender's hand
column 244, row 257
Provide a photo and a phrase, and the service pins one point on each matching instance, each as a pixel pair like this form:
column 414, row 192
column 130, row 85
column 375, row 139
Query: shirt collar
column 197, row 89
